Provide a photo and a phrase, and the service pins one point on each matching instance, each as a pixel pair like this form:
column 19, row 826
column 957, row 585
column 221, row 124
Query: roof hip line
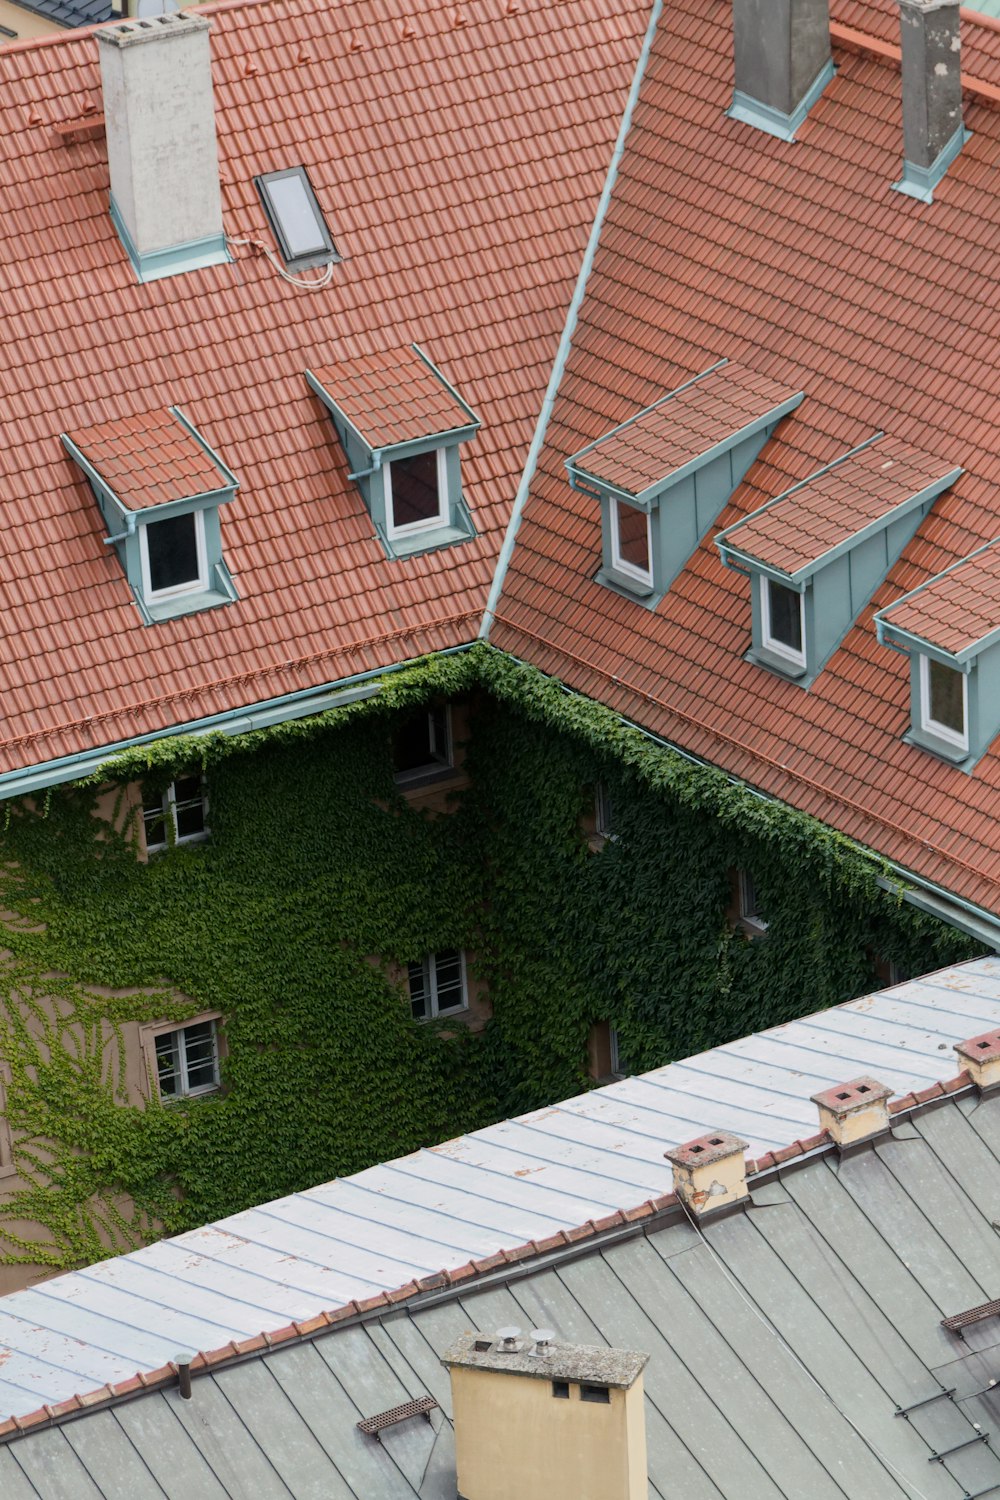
column 566, row 339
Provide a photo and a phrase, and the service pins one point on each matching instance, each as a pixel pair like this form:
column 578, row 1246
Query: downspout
column 565, row 342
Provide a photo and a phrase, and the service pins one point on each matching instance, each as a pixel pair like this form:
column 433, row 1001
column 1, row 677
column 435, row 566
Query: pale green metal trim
column 439, row 375
column 907, row 641
column 176, row 259
column 569, row 328
column 920, row 182
column 750, row 111
column 224, row 469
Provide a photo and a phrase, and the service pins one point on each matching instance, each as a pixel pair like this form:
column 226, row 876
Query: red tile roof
column 149, row 459
column 798, row 261
column 459, row 163
column 958, row 610
column 392, row 396
column 683, row 426
column 835, row 506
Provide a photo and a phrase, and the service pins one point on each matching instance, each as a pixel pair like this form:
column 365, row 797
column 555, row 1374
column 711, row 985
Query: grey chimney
column 933, row 133
column 783, row 62
column 156, row 78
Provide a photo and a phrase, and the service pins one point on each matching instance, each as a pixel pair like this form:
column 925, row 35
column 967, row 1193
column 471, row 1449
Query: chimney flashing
column 782, row 62
column 776, row 122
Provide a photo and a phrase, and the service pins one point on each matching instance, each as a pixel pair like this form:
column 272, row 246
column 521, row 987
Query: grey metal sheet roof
column 496, row 1189
column 781, row 1340
column 70, row 12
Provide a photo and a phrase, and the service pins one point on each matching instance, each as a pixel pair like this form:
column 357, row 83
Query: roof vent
column 933, row 133
column 853, row 1112
column 710, row 1172
column 507, row 1339
column 166, row 204
column 783, row 62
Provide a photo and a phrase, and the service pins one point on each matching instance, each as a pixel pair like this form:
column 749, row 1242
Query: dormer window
column 783, row 622
column 159, row 487
column 816, row 554
column 401, row 426
column 949, row 628
column 296, row 219
column 663, row 477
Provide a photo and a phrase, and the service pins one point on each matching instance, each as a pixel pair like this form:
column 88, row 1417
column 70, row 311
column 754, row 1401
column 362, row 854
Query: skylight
column 296, row 218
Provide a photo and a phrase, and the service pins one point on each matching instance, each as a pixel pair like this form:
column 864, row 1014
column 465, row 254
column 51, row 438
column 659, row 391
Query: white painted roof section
column 495, row 1189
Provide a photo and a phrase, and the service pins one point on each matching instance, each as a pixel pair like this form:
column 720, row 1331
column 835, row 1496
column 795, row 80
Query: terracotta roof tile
column 958, row 609
column 797, row 262
column 149, row 459
column 835, row 506
column 392, row 397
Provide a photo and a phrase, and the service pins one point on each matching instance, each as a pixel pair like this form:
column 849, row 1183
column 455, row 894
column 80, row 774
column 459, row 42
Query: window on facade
column 631, row 542
column 177, row 816
column 422, row 744
column 173, row 555
column 603, row 811
column 187, row 1060
column 437, row 985
column 782, row 625
column 416, row 492
column 749, row 907
column 296, row 218
column 560, row 1388
column 943, row 702
column 595, row 1393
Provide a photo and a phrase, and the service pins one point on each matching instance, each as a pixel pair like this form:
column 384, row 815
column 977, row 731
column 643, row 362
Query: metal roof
column 781, row 1341
column 498, row 1188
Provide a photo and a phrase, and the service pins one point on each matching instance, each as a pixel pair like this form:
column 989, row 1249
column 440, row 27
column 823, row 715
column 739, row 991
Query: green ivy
column 319, row 878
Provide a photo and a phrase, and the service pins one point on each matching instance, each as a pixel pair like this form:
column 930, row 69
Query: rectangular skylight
column 296, row 218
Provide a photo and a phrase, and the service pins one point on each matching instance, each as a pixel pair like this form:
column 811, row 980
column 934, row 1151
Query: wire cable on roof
column 307, row 286
column 776, row 1333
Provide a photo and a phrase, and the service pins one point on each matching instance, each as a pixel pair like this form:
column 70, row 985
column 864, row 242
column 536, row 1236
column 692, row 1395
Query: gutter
column 566, row 341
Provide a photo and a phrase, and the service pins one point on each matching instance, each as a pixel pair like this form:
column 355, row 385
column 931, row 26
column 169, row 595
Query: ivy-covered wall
column 319, row 878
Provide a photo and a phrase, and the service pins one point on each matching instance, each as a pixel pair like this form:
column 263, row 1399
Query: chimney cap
column 980, row 1049
column 582, row 1364
column 151, row 29
column 845, row 1098
column 706, row 1150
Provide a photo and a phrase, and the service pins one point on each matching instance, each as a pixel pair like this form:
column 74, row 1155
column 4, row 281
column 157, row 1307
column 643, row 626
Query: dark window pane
column 199, row 1051
column 418, row 991
column 422, row 741
column 167, row 1065
column 173, row 552
column 448, row 972
column 633, row 537
column 595, row 1393
column 785, row 615
column 947, row 705
column 414, row 489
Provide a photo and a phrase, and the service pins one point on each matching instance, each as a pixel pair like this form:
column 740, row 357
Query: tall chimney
column 933, row 133
column 166, row 204
column 783, row 62
column 537, row 1419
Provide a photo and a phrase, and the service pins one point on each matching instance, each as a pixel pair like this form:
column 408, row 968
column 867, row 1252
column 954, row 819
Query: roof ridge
column 867, row 45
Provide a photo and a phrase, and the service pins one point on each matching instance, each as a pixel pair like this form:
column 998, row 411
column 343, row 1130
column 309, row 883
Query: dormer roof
column 396, row 396
column 957, row 612
column 838, row 508
column 151, row 459
column 683, row 430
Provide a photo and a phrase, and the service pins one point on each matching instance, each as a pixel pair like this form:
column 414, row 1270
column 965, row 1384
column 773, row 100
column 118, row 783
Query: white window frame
column 619, row 563
column 429, row 962
column 432, row 523
column 432, row 767
column 151, row 1036
column 169, row 803
column 931, row 726
column 748, row 906
column 199, row 585
column 776, row 647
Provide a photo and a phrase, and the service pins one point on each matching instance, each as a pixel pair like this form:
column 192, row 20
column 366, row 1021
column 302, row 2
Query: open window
column 296, row 219
column 402, row 427
column 159, row 487
column 177, row 815
column 422, row 745
column 663, row 477
column 184, row 1060
column 817, row 553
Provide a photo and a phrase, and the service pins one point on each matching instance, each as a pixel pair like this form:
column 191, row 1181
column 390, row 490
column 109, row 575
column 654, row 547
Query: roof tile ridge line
column 569, row 329
column 679, row 390
column 889, row 52
column 775, row 765
column 236, row 679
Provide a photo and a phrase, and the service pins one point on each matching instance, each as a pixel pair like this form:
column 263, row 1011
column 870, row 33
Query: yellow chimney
column 852, row 1112
column 710, row 1172
column 981, row 1056
column 537, row 1419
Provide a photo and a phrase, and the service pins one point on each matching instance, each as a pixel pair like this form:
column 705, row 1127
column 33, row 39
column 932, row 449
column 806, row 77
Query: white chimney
column 710, row 1172
column 156, row 77
column 853, row 1112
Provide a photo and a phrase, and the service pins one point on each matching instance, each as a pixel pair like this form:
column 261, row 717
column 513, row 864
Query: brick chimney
column 711, row 1172
column 853, row 1112
column 981, row 1057
column 783, row 62
column 537, row 1419
column 933, row 133
column 166, row 204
